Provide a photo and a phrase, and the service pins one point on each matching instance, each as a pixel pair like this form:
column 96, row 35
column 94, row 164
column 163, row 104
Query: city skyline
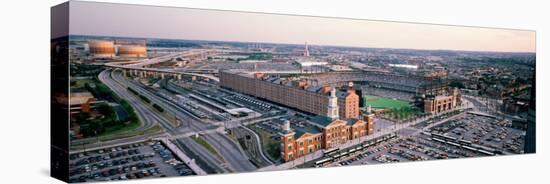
column 163, row 92
column 178, row 23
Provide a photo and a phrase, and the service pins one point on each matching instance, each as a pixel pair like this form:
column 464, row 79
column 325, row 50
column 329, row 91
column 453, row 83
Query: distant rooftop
column 304, row 128
column 341, row 94
column 440, row 97
column 314, row 88
column 321, row 120
column 351, row 121
column 309, row 61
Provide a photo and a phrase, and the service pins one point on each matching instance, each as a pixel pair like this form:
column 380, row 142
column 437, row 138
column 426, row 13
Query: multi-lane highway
column 140, row 65
column 228, row 155
column 149, row 116
column 145, row 114
column 230, row 151
column 234, row 123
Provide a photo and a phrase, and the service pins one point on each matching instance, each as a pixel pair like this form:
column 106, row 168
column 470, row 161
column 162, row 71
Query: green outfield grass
column 399, row 109
column 384, row 103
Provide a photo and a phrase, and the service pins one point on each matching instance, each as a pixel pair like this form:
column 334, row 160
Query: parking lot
column 132, row 161
column 405, row 150
column 272, row 128
column 489, row 133
column 486, row 131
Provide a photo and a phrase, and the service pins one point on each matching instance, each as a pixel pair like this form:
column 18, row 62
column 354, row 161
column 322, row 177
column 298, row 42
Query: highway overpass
column 139, row 67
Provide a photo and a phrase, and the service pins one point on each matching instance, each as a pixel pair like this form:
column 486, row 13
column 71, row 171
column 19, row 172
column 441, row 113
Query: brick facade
column 335, row 133
column 293, row 96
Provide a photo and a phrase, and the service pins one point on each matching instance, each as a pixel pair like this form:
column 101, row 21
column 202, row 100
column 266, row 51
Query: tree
column 456, row 84
column 106, row 110
column 92, row 128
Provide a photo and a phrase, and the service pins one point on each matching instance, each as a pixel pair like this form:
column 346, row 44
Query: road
column 204, row 155
column 258, row 143
column 234, row 158
column 146, row 116
column 139, row 65
column 230, row 151
column 389, row 130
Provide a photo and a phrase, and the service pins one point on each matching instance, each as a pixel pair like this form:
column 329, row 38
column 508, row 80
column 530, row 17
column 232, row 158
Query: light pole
column 304, row 159
column 97, row 137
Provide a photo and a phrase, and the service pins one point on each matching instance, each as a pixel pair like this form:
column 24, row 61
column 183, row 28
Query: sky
column 106, row 19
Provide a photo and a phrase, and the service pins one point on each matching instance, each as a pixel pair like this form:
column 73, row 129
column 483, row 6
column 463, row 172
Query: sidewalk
column 318, row 154
column 188, row 161
column 111, row 143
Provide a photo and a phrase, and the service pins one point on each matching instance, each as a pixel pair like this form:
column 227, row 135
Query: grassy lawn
column 119, row 134
column 128, row 131
column 206, row 145
column 384, row 103
column 81, row 82
column 120, row 128
column 232, row 136
column 109, row 128
column 271, row 146
column 171, row 118
column 398, row 109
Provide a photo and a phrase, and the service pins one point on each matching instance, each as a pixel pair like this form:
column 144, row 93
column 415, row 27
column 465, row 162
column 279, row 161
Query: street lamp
column 97, row 137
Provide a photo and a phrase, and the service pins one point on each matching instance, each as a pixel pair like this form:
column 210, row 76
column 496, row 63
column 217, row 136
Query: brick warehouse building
column 297, row 143
column 338, row 116
column 444, row 102
column 299, row 94
column 348, row 102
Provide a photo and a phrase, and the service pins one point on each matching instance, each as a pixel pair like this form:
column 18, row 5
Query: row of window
column 301, row 143
column 301, row 152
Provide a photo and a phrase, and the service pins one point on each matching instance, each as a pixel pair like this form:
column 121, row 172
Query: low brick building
column 329, row 134
column 442, row 103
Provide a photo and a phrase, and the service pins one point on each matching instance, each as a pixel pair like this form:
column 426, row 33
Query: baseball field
column 384, row 103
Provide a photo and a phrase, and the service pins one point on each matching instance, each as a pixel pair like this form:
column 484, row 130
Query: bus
column 486, row 152
column 466, row 142
column 323, row 161
column 330, row 151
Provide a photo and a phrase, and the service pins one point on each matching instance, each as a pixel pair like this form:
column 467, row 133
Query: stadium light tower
column 306, row 50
